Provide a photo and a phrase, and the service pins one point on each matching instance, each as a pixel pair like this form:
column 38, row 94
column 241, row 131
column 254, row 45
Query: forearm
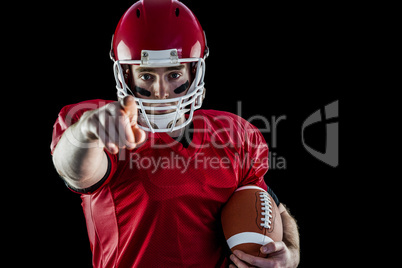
column 79, row 160
column 291, row 235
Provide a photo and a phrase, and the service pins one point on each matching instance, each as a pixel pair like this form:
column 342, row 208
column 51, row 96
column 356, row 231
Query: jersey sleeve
column 255, row 153
column 68, row 116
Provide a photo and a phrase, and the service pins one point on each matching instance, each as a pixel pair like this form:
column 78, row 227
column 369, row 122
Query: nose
column 161, row 89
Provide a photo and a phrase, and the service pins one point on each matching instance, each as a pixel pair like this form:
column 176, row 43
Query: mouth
column 163, row 111
column 160, row 111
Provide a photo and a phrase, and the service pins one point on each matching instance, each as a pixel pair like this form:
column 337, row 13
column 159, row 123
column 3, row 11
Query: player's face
column 161, row 83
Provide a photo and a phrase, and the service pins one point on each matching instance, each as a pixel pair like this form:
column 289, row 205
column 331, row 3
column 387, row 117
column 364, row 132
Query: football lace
column 266, row 207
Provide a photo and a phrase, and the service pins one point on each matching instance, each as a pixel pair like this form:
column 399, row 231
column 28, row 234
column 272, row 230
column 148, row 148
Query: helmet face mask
column 150, row 121
column 177, row 42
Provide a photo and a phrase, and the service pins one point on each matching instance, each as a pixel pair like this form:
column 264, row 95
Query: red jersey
column 160, row 203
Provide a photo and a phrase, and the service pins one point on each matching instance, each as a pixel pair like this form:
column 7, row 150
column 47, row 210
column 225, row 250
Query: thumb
column 129, row 106
column 272, row 247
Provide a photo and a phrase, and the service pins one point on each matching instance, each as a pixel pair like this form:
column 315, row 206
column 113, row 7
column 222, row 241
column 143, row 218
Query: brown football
column 251, row 219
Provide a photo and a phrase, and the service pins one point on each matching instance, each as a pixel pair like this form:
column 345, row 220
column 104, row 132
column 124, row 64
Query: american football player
column 153, row 169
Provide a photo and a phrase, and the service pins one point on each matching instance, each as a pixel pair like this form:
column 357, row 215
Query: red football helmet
column 160, row 33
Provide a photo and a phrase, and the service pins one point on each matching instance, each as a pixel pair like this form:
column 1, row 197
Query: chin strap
column 161, row 121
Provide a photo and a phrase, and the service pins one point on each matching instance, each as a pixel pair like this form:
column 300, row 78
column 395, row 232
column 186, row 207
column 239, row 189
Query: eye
column 175, row 75
column 146, row 77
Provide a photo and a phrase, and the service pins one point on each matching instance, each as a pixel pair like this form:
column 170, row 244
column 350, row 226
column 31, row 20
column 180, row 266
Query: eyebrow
column 152, row 70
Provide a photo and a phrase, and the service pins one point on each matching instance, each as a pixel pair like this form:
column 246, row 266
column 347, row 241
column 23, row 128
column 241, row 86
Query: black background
column 277, row 60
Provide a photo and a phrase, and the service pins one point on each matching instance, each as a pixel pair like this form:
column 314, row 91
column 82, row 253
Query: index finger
column 253, row 260
column 129, row 106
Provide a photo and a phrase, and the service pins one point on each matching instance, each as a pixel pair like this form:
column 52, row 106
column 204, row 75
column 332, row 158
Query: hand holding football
column 251, row 219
